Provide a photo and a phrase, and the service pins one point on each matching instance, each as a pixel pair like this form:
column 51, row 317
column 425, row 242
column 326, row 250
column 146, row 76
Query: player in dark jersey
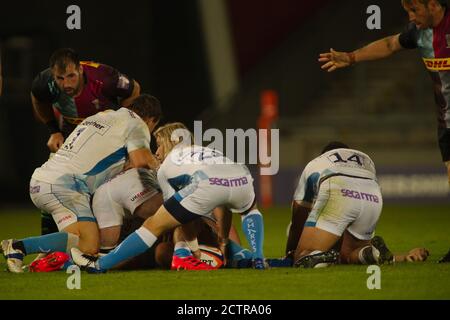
column 428, row 31
column 76, row 90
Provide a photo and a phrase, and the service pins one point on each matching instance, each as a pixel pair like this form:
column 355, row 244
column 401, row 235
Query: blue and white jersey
column 345, row 162
column 96, row 150
column 185, row 165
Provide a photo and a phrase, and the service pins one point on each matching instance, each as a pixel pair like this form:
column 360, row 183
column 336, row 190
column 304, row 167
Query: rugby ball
column 211, row 255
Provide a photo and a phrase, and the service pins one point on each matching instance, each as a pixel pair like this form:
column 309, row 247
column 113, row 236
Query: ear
column 433, row 5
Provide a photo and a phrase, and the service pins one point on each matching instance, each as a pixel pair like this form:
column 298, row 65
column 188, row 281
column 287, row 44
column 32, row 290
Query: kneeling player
column 339, row 194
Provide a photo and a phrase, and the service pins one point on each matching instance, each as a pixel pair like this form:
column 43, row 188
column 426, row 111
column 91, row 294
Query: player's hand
column 55, row 141
column 334, row 60
column 417, row 254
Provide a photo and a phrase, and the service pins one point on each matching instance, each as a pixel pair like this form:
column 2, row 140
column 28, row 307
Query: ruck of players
column 109, row 202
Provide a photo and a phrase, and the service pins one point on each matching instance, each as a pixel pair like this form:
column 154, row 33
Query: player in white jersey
column 194, row 181
column 337, row 196
column 94, row 152
column 135, row 190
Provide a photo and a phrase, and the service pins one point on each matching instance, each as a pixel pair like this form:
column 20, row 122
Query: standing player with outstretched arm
column 76, row 90
column 428, row 32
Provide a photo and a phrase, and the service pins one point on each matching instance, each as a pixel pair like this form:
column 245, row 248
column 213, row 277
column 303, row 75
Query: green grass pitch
column 403, row 228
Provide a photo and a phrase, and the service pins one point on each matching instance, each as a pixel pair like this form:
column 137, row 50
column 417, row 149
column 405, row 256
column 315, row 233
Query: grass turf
column 403, row 228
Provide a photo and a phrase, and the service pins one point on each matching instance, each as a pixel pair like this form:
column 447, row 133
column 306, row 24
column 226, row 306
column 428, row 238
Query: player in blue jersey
column 428, row 32
column 95, row 151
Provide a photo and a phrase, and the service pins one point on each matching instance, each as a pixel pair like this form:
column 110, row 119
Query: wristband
column 53, row 126
column 352, row 57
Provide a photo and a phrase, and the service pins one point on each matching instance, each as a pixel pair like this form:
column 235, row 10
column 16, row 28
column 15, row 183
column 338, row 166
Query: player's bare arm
column 300, row 212
column 376, row 50
column 136, row 91
column 143, row 158
column 414, row 255
column 44, row 113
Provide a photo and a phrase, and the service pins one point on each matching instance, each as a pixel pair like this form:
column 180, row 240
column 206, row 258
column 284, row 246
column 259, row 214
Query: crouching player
column 194, row 181
column 94, row 152
column 338, row 197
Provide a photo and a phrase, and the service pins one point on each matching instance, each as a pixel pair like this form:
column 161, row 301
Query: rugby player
column 337, row 204
column 93, row 153
column 194, row 180
column 76, row 90
column 339, row 194
column 137, row 191
column 428, row 32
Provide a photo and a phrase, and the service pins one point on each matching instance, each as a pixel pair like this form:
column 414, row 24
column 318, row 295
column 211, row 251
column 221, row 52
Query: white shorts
column 346, row 203
column 126, row 191
column 67, row 203
column 206, row 193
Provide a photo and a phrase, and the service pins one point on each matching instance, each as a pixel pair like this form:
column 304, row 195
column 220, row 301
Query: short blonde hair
column 166, row 135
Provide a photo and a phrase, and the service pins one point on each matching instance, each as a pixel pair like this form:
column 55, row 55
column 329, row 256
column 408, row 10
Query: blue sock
column 67, row 264
column 236, row 252
column 182, row 250
column 43, row 244
column 135, row 244
column 253, row 227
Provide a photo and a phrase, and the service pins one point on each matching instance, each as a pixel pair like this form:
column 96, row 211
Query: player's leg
column 327, row 221
column 109, row 215
column 359, row 246
column 135, row 244
column 243, row 201
column 45, row 199
column 355, row 251
column 48, row 225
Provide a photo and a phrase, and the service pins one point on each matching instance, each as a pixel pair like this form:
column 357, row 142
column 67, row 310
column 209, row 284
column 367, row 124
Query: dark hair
column 443, row 3
column 334, row 145
column 147, row 106
column 62, row 57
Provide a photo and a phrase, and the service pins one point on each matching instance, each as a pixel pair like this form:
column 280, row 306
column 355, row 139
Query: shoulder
column 97, row 71
column 44, row 87
column 408, row 37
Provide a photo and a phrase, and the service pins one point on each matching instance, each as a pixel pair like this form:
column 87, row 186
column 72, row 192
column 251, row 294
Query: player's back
column 95, row 150
column 343, row 162
column 189, row 159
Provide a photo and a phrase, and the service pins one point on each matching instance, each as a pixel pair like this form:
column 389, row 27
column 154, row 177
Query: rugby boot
column 386, row 255
column 189, row 263
column 51, row 262
column 318, row 260
column 14, row 257
column 259, row 264
column 85, row 262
